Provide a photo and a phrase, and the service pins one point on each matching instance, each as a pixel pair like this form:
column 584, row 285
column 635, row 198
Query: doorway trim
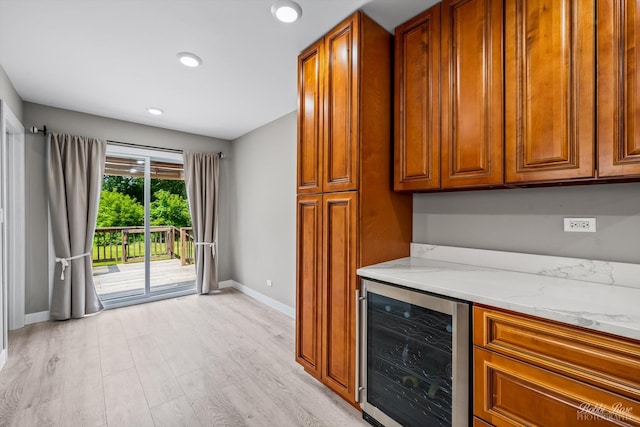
column 13, row 137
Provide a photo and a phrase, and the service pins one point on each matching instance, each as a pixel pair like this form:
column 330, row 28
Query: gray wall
column 9, row 95
column 531, row 220
column 526, row 220
column 65, row 121
column 263, row 222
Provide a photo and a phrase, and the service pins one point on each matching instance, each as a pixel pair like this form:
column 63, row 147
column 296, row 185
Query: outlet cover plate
column 580, row 225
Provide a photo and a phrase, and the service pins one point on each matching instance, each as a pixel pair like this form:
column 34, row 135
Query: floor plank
column 124, row 399
column 158, row 381
column 42, row 415
column 83, row 402
column 217, row 360
column 175, row 413
column 215, row 410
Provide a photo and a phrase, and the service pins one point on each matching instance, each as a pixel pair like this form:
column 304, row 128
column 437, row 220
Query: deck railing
column 126, row 244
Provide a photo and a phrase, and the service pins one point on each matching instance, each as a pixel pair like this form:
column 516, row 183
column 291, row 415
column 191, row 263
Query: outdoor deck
column 126, row 277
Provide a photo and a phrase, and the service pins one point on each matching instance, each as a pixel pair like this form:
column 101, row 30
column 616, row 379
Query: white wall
column 263, row 199
column 65, row 121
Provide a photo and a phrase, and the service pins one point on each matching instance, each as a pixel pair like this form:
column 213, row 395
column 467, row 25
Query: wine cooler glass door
column 414, row 363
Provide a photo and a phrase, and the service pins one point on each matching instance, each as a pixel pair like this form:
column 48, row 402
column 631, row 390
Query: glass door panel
column 409, row 361
column 119, row 240
column 172, row 265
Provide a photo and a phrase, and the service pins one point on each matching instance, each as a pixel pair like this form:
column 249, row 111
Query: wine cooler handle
column 357, row 345
column 360, row 301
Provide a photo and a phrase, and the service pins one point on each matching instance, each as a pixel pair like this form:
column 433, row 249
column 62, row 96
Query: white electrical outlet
column 269, row 283
column 580, row 225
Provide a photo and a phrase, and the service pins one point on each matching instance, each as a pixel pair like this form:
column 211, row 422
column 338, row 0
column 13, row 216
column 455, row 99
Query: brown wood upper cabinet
column 450, row 135
column 331, row 106
column 417, row 102
column 456, row 127
column 550, row 81
column 310, row 105
column 618, row 88
column 472, row 93
column 340, row 107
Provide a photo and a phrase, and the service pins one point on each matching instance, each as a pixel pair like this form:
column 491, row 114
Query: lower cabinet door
column 309, row 282
column 512, row 393
column 339, row 279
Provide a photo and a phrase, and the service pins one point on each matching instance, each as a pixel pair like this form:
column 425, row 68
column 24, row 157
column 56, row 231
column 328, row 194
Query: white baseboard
column 282, row 308
column 42, row 316
column 3, row 358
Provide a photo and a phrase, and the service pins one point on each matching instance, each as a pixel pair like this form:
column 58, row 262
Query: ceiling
column 115, row 58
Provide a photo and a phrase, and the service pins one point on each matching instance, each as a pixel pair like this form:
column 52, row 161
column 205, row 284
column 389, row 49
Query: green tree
column 119, row 210
column 129, row 185
column 174, row 186
column 134, row 186
column 170, row 209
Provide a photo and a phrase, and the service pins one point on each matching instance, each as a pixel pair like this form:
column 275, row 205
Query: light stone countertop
column 589, row 303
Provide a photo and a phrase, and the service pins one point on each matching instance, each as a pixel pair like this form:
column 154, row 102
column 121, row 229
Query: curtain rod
column 151, row 147
column 35, row 130
column 129, row 144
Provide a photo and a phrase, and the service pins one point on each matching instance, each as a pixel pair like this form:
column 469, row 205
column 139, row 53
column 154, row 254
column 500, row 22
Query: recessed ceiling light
column 155, row 111
column 133, row 170
column 140, row 162
column 188, row 59
column 286, row 11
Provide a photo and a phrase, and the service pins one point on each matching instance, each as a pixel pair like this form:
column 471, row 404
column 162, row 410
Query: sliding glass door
column 142, row 246
column 171, row 237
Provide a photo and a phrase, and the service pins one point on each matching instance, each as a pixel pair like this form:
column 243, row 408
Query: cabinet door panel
column 310, row 120
column 618, row 88
column 472, row 93
column 341, row 124
column 417, row 102
column 339, row 231
column 511, row 393
column 550, row 109
column 309, row 282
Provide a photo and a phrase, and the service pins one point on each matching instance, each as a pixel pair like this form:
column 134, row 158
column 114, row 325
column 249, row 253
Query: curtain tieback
column 211, row 244
column 65, row 262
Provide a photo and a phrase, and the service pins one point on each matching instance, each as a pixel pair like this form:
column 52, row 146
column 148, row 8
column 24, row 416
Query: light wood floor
column 215, row 360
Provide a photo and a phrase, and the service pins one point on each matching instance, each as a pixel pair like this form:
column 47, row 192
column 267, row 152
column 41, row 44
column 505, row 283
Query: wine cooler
column 413, row 351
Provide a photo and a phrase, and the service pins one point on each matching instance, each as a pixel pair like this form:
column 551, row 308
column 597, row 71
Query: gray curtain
column 76, row 166
column 201, row 173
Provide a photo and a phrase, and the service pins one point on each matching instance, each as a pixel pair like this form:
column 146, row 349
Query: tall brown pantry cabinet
column 347, row 214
